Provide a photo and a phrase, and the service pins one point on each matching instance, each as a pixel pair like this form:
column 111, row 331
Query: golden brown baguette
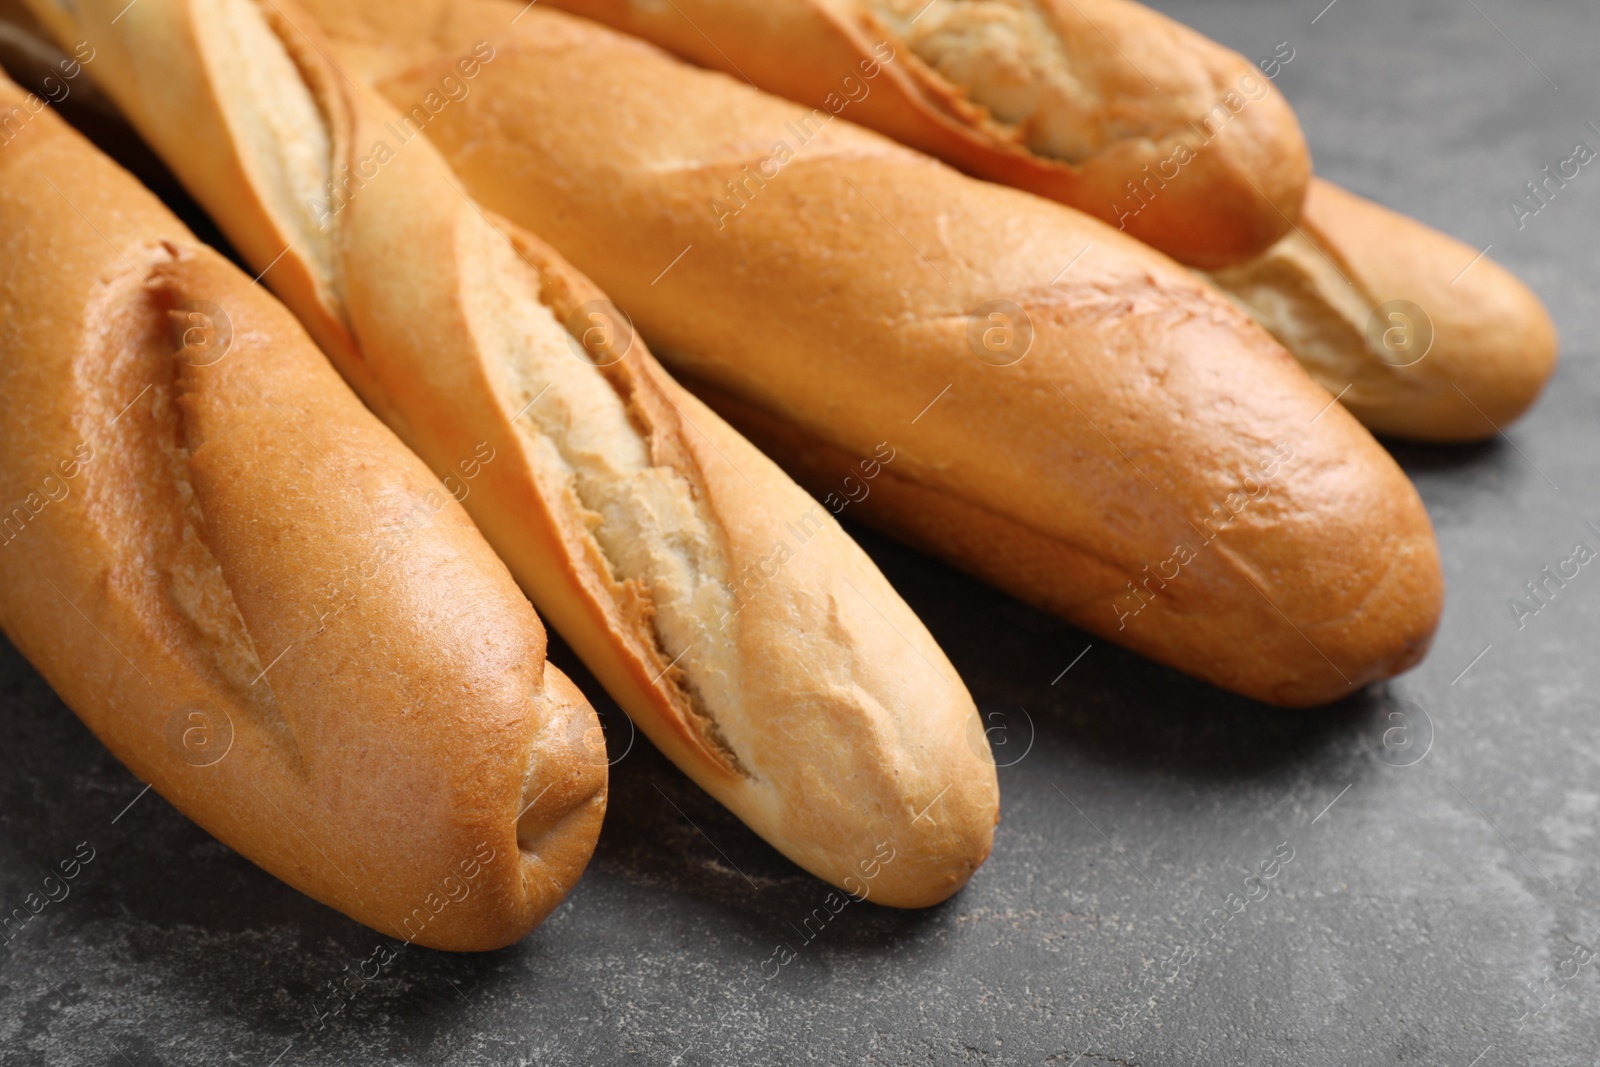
column 1154, row 467
column 1035, row 94
column 1420, row 336
column 1104, row 105
column 248, row 588
column 726, row 611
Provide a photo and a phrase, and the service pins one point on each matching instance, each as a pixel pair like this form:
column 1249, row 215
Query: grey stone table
column 1432, row 882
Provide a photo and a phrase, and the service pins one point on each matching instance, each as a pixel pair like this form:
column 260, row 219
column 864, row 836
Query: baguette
column 1104, row 105
column 1421, row 336
column 249, row 590
column 721, row 606
column 954, row 70
column 1147, row 462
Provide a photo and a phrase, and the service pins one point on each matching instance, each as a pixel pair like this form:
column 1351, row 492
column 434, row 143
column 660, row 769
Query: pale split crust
column 842, row 732
column 1493, row 346
column 1150, row 419
column 231, row 552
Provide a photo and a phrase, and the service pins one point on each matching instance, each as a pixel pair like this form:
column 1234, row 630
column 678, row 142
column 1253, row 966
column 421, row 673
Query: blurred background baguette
column 1104, row 105
column 249, row 590
column 1118, row 111
column 1121, row 445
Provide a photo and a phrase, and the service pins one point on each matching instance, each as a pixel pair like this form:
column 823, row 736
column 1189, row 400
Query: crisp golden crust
column 1103, row 105
column 1149, row 414
column 1343, row 293
column 722, row 607
column 819, row 711
column 239, row 540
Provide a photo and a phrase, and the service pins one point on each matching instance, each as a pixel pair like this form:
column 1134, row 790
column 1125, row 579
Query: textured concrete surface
column 1432, row 880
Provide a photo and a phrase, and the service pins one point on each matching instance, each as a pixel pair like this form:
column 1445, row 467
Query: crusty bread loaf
column 1421, row 336
column 1148, row 462
column 1317, row 289
column 1104, row 105
column 726, row 611
column 248, row 588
